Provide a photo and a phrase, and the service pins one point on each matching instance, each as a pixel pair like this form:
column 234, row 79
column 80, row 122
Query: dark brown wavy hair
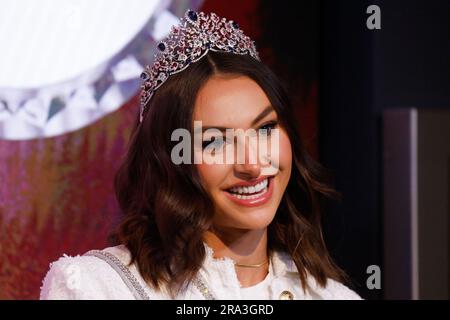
column 167, row 210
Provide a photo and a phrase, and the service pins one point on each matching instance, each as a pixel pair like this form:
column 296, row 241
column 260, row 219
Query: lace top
column 105, row 275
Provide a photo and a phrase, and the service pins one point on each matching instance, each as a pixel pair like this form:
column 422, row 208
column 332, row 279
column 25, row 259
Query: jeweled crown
column 187, row 43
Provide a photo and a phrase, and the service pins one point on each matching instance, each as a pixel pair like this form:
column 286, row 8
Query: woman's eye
column 267, row 128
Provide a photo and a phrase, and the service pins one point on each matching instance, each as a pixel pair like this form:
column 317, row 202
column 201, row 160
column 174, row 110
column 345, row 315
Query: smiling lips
column 251, row 194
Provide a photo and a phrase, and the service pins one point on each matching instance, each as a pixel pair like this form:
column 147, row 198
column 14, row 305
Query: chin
column 248, row 219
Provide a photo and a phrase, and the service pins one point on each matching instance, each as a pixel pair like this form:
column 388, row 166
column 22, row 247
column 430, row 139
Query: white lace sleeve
column 83, row 278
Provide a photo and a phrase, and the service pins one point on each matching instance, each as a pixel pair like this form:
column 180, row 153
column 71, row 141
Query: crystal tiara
column 187, row 43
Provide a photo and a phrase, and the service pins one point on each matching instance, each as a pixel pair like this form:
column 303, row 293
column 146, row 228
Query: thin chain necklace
column 206, row 292
column 259, row 265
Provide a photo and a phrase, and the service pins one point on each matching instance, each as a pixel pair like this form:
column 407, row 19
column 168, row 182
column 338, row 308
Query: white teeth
column 240, row 191
column 253, row 196
column 261, row 185
column 252, row 189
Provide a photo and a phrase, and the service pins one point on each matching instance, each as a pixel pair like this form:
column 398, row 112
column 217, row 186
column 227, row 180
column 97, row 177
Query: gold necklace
column 250, row 265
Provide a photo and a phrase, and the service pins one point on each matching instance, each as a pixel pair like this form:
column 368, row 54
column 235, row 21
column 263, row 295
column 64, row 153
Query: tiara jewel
column 187, row 43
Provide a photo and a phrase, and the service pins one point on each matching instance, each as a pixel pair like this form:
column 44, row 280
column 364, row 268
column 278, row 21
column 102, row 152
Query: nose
column 247, row 171
column 250, row 168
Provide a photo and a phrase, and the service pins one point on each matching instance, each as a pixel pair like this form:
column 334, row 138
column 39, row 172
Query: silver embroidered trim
column 204, row 290
column 128, row 278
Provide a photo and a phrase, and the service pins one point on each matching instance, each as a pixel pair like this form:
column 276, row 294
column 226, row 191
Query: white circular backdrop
column 65, row 64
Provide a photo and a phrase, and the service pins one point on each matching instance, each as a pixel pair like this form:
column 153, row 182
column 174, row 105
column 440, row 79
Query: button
column 286, row 295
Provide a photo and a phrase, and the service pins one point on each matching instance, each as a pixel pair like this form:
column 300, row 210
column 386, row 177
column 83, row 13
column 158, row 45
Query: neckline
column 260, row 284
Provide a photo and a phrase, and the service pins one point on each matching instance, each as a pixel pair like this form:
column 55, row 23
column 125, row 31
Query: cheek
column 281, row 153
column 212, row 175
column 285, row 155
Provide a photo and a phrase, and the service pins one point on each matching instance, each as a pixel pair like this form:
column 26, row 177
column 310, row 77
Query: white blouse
column 259, row 291
column 105, row 274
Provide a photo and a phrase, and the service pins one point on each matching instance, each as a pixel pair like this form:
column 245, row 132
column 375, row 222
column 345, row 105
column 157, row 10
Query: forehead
column 229, row 100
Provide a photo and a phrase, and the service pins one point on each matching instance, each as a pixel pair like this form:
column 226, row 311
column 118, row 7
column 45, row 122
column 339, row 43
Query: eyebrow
column 267, row 110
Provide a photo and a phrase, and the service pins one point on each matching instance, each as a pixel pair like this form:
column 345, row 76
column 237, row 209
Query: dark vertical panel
column 400, row 207
column 363, row 73
column 349, row 143
column 433, row 128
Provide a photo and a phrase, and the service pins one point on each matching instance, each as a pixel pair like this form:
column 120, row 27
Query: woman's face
column 246, row 194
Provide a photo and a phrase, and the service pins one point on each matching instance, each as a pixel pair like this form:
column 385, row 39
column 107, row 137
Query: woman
column 197, row 227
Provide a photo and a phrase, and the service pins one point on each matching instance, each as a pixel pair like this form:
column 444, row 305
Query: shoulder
column 84, row 277
column 333, row 290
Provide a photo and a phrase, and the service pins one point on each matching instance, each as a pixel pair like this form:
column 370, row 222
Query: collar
column 281, row 262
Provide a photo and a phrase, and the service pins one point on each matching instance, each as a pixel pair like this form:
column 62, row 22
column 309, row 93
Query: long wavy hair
column 167, row 210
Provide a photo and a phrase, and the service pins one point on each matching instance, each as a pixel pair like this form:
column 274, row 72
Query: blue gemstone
column 144, row 76
column 208, row 45
column 235, row 25
column 192, row 15
column 161, row 46
column 188, row 61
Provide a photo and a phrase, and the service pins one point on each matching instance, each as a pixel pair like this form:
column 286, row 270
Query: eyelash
column 269, row 126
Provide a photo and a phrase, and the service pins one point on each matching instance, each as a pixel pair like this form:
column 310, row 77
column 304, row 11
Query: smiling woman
column 240, row 230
